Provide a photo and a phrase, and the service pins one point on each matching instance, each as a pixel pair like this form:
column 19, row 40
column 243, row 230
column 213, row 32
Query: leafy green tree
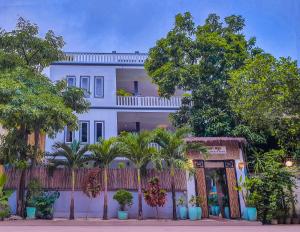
column 104, row 152
column 265, row 93
column 137, row 148
column 30, row 103
column 198, row 59
column 173, row 151
column 271, row 186
column 73, row 157
column 4, row 195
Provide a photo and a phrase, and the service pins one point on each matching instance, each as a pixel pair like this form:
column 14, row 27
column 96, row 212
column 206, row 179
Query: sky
column 135, row 25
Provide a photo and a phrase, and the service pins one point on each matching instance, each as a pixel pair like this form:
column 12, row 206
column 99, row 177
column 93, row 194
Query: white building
column 101, row 75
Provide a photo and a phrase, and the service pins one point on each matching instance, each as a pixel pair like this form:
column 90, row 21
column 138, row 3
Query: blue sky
column 135, row 25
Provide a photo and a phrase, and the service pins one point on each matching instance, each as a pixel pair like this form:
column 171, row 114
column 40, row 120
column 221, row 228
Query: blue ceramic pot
column 193, row 213
column 245, row 214
column 183, row 212
column 123, row 215
column 30, row 212
column 199, row 213
column 226, row 212
column 215, row 210
column 251, row 213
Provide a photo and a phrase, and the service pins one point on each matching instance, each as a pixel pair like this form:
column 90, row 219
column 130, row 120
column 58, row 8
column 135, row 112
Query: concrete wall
column 297, row 191
column 86, row 207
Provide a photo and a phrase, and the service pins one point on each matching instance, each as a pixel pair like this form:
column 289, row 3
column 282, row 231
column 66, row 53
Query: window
column 99, row 130
column 99, row 87
column 84, row 131
column 136, row 88
column 85, row 85
column 69, row 135
column 71, row 81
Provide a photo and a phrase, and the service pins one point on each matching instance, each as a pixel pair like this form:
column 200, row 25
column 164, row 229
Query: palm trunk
column 140, row 209
column 172, row 174
column 72, row 196
column 105, row 217
column 2, row 170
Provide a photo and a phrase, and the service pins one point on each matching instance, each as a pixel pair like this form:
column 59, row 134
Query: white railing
column 136, row 101
column 105, row 58
column 155, row 145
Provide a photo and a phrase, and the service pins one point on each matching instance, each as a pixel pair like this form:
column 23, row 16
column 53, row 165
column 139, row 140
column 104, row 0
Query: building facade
column 123, row 98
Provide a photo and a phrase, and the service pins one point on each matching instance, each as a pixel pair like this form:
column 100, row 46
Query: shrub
column 124, row 198
column 4, row 195
column 44, row 204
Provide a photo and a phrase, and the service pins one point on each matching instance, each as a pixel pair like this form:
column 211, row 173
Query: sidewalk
column 131, row 222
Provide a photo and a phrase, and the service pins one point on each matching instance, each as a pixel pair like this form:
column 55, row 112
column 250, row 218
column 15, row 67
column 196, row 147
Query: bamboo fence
column 60, row 178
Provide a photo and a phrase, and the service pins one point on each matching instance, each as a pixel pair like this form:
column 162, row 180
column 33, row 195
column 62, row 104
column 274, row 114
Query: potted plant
column 225, row 204
column 199, row 202
column 192, row 208
column 33, row 191
column 214, row 204
column 182, row 208
column 124, row 198
column 44, row 204
column 4, row 195
column 251, row 206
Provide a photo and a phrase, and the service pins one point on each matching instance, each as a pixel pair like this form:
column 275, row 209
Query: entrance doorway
column 217, row 192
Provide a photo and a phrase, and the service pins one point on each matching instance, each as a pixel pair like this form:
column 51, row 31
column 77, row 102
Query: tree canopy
column 198, row 59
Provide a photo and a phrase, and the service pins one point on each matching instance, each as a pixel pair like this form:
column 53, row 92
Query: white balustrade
column 105, row 58
column 138, row 101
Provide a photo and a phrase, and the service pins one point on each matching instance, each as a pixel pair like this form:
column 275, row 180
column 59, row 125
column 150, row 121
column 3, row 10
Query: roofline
column 108, row 53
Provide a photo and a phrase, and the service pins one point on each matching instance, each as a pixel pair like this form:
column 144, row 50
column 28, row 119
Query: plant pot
column 123, row 215
column 226, row 212
column 245, row 214
column 193, row 213
column 30, row 212
column 288, row 220
column 183, row 212
column 274, row 222
column 251, row 213
column 199, row 213
column 215, row 210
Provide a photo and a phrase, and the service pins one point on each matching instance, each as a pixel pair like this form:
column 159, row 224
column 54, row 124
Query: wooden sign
column 217, row 150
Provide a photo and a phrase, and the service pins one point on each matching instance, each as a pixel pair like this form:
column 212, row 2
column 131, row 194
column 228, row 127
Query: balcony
column 148, row 102
column 104, row 58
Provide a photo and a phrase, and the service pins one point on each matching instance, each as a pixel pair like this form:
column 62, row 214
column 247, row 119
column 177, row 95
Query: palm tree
column 104, row 152
column 173, row 151
column 136, row 147
column 73, row 158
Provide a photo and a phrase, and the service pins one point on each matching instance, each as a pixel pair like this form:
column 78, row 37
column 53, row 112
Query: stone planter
column 295, row 220
column 274, row 222
column 123, row 215
column 183, row 212
column 199, row 213
column 193, row 213
column 288, row 220
column 30, row 212
column 251, row 213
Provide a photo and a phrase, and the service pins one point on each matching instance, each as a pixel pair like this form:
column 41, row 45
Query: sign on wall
column 217, row 150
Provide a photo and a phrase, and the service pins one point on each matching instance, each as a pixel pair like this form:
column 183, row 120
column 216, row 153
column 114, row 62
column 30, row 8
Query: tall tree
column 266, row 94
column 104, row 152
column 198, row 59
column 73, row 158
column 30, row 103
column 173, row 151
column 137, row 148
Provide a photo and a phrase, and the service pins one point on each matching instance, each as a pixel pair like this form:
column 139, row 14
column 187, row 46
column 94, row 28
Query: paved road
column 279, row 228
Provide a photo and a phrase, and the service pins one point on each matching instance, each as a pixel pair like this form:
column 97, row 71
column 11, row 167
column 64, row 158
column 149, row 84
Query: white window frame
column 88, row 131
column 95, row 78
column 65, row 135
column 71, row 77
column 95, row 130
column 86, row 91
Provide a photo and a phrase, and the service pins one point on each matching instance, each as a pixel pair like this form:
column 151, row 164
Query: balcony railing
column 105, row 58
column 149, row 102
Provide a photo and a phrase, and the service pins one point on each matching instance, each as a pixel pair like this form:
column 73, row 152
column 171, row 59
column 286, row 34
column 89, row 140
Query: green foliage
column 4, row 195
column 121, row 165
column 105, row 151
column 123, row 92
column 270, row 189
column 34, row 189
column 74, row 154
column 136, row 147
column 213, row 200
column 199, row 59
column 265, row 93
column 181, row 201
column 124, row 198
column 44, row 204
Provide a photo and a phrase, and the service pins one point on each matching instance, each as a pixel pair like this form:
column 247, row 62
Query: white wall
column 60, row 72
column 297, row 192
column 110, row 126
